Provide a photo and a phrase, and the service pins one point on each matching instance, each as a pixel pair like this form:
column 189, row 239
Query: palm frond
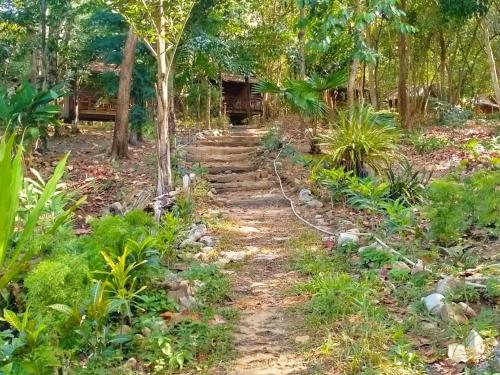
column 266, row 87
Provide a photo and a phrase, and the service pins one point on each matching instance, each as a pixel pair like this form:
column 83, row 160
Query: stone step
column 231, row 141
column 263, row 184
column 256, row 201
column 234, row 177
column 216, row 149
column 221, row 167
column 208, row 158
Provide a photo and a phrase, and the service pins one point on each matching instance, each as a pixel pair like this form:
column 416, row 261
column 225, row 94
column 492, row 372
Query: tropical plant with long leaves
column 306, row 97
column 15, row 248
column 362, row 138
column 30, row 111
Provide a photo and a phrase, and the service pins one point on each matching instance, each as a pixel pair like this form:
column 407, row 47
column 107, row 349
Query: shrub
column 214, row 286
column 398, row 215
column 485, row 199
column 424, row 144
column 376, row 257
column 366, row 193
column 362, row 138
column 447, row 211
column 64, row 279
column 407, row 184
column 335, row 180
column 271, row 141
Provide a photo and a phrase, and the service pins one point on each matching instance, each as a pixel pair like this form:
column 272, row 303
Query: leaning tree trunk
column 491, row 60
column 119, row 149
column 403, row 76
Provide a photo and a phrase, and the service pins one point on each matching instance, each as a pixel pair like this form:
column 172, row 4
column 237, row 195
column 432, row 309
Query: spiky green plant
column 362, row 138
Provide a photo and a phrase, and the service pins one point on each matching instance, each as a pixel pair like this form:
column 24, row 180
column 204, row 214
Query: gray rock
column 475, row 344
column 451, row 312
column 146, row 331
column 374, row 245
column 495, row 360
column 207, row 241
column 444, row 286
column 189, row 242
column 131, row 364
column 399, row 265
column 418, row 267
column 467, row 310
column 116, row 209
column 233, row 256
column 345, row 238
column 197, row 231
column 433, row 303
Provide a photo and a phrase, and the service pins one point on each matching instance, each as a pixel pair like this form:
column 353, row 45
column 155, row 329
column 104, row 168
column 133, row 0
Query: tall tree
column 403, row 75
column 119, row 148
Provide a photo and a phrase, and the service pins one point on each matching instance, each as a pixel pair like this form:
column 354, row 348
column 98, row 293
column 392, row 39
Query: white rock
column 314, row 203
column 433, row 302
column 451, row 312
column 347, row 238
column 475, row 344
column 190, row 242
column 467, row 310
column 185, row 183
column 131, row 364
column 305, row 195
column 457, row 353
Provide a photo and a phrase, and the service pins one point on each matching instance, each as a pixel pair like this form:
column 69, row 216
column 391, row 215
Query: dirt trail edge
column 260, row 224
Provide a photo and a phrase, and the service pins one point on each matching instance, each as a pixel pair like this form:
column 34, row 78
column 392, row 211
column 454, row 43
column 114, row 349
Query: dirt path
column 260, row 223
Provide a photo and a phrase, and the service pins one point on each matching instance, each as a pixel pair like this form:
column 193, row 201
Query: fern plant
column 366, row 193
column 362, row 138
column 407, row 184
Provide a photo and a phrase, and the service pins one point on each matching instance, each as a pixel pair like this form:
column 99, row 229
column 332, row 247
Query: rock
column 321, row 222
column 495, row 360
column 445, row 285
column 475, row 344
column 451, row 312
column 306, row 197
column 433, row 302
column 374, row 245
column 197, row 231
column 146, row 331
column 234, row 256
column 266, row 257
column 399, row 265
column 345, row 238
column 302, row 339
column 207, row 241
column 189, row 242
column 318, row 217
column 124, row 330
column 116, row 209
column 418, row 267
column 457, row 353
column 467, row 310
column 131, row 364
column 185, row 183
column 139, row 337
column 210, row 194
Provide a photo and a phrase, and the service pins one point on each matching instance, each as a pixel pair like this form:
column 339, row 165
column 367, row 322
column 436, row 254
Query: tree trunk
column 164, row 183
column 119, row 149
column 491, row 60
column 352, row 82
column 209, row 103
column 43, row 43
column 74, row 125
column 403, row 76
column 302, row 58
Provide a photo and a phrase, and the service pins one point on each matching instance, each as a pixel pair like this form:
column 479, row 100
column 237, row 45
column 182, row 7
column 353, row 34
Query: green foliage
column 30, row 111
column 361, row 138
column 455, row 207
column 447, row 211
column 336, row 296
column 398, row 214
column 407, row 184
column 11, row 178
column 214, row 286
column 184, row 208
column 271, row 141
column 63, row 278
column 451, row 115
column 111, row 233
column 376, row 257
column 424, row 144
column 493, row 288
column 399, row 275
column 463, row 293
column 169, row 235
column 366, row 193
column 336, row 180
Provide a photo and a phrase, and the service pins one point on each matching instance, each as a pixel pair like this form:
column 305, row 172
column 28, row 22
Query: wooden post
column 249, row 98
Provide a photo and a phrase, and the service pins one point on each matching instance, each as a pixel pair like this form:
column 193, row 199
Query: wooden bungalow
column 240, row 103
column 87, row 104
column 485, row 104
